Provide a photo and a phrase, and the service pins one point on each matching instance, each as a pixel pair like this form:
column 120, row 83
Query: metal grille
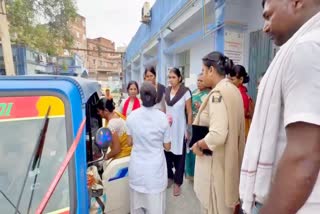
column 261, row 54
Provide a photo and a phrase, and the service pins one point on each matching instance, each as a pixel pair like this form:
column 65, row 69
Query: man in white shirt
column 294, row 164
column 149, row 132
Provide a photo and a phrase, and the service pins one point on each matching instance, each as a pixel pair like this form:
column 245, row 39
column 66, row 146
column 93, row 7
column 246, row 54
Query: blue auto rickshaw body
column 75, row 93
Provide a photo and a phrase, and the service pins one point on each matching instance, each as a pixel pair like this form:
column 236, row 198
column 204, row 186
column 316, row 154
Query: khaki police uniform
column 210, row 171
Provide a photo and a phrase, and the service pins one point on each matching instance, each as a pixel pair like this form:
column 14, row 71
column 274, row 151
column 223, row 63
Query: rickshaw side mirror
column 103, row 140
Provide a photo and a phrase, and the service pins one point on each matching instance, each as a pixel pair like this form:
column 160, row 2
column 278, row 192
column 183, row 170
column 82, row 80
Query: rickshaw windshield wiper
column 35, row 159
column 10, row 202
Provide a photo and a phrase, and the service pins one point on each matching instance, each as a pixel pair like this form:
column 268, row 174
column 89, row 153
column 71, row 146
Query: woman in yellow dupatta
column 116, row 123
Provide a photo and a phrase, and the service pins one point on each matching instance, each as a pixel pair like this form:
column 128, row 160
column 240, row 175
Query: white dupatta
column 260, row 151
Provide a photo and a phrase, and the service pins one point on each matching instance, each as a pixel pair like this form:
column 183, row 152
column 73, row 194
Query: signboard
column 234, row 46
column 15, row 108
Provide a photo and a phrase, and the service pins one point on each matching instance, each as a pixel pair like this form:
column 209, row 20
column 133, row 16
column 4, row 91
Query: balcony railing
column 109, row 68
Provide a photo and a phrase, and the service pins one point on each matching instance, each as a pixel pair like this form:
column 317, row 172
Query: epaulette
column 216, row 97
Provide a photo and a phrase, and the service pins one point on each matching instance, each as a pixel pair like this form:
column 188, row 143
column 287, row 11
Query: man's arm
column 297, row 171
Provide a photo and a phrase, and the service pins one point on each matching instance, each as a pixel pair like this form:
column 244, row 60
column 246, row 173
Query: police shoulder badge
column 216, row 97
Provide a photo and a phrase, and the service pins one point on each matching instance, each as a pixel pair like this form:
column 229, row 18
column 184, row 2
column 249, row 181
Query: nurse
column 147, row 168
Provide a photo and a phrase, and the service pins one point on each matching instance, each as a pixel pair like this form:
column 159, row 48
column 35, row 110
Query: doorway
column 262, row 51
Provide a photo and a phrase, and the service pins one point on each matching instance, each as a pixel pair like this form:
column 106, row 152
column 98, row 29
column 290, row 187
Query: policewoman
column 219, row 153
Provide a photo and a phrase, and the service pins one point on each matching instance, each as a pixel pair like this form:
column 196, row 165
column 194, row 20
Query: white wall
column 249, row 13
column 136, row 76
column 31, row 68
column 198, row 51
column 255, row 20
column 238, row 11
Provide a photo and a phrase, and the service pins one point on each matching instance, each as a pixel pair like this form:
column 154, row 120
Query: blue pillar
column 132, row 71
column 220, row 14
column 142, row 60
column 219, row 43
column 161, row 66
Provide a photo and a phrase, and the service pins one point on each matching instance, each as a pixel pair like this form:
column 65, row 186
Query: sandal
column 176, row 190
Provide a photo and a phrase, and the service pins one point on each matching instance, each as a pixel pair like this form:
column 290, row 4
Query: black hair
column 177, row 72
column 148, row 94
column 239, row 71
column 132, row 83
column 150, row 69
column 105, row 104
column 263, row 3
column 220, row 62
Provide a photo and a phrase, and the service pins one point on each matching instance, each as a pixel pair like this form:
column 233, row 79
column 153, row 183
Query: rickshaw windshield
column 21, row 121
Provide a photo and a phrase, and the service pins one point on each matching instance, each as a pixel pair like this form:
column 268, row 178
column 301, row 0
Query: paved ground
column 186, row 203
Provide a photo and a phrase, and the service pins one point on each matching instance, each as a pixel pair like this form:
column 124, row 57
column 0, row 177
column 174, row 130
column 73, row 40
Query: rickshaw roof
column 86, row 87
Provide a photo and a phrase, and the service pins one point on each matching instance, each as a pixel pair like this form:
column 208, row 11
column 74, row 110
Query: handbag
column 198, row 133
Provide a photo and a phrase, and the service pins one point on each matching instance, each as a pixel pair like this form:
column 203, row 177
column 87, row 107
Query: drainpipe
column 204, row 17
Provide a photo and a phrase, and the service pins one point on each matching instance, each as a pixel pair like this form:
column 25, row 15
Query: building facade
column 30, row 62
column 182, row 32
column 26, row 61
column 78, row 31
column 98, row 55
column 104, row 63
column 67, row 65
column 92, row 58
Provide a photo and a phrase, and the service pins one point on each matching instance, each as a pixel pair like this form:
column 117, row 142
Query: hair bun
column 228, row 65
column 148, row 94
column 246, row 79
column 110, row 105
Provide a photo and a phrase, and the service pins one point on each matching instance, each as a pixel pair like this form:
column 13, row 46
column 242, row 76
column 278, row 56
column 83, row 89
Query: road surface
column 186, row 203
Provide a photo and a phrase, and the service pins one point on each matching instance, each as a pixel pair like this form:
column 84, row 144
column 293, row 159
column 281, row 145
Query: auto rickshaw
column 40, row 118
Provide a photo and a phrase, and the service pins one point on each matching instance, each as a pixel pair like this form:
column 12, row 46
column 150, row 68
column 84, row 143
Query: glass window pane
column 21, row 121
